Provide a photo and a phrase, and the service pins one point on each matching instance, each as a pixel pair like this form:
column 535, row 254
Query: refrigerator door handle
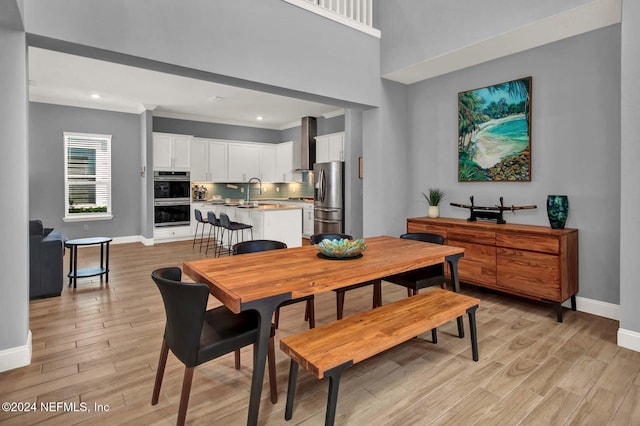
column 322, row 186
column 327, row 221
column 320, row 209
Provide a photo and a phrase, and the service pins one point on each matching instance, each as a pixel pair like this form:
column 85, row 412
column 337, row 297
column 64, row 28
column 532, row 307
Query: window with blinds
column 87, row 176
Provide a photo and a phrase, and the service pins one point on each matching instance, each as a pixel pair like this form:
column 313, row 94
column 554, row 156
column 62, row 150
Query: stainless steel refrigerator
column 328, row 199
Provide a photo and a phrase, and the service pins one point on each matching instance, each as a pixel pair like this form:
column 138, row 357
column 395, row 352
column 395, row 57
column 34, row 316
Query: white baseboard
column 128, row 239
column 16, row 357
column 596, row 307
column 629, row 339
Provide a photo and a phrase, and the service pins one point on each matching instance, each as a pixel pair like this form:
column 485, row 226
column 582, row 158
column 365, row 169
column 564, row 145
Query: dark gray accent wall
column 630, row 172
column 268, row 45
column 325, row 126
column 215, row 130
column 575, row 146
column 47, row 123
column 14, row 250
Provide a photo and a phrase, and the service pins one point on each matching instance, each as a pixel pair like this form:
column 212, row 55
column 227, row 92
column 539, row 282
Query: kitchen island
column 271, row 220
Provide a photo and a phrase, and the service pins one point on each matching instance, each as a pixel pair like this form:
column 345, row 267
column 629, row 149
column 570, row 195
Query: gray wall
column 630, row 172
column 14, row 286
column 269, row 44
column 146, row 180
column 352, row 182
column 46, row 167
column 575, row 149
column 215, row 130
column 416, row 30
column 385, row 143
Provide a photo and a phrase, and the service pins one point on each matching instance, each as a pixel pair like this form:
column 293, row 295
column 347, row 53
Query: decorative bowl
column 341, row 248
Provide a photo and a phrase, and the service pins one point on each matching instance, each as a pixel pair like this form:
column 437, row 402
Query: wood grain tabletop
column 299, row 271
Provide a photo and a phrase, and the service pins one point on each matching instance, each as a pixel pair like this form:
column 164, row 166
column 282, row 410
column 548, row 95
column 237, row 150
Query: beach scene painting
column 494, row 133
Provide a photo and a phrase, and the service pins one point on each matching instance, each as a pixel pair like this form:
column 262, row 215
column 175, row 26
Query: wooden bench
column 328, row 350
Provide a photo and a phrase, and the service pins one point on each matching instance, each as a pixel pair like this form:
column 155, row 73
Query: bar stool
column 215, row 225
column 232, row 227
column 199, row 220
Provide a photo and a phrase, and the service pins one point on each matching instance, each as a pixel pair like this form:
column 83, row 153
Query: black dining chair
column 196, row 335
column 340, row 292
column 254, row 246
column 199, row 220
column 423, row 277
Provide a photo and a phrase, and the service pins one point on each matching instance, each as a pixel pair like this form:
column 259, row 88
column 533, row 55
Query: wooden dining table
column 263, row 280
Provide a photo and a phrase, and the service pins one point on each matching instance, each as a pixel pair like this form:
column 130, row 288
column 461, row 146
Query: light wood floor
column 100, row 343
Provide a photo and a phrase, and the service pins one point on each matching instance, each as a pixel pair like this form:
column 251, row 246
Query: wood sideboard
column 535, row 262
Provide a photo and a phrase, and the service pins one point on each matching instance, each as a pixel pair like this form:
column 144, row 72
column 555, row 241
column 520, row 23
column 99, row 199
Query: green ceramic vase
column 557, row 210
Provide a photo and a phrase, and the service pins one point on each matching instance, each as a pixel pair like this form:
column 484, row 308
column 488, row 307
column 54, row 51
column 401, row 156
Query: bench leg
column 291, row 390
column 334, row 384
column 472, row 331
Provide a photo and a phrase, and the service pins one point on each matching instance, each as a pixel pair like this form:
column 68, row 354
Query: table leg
column 107, row 266
column 70, row 264
column 334, row 386
column 75, row 266
column 452, row 260
column 101, row 258
column 291, row 389
column 265, row 308
column 472, row 330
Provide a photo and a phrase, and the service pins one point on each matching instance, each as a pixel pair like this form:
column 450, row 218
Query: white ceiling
column 60, row 78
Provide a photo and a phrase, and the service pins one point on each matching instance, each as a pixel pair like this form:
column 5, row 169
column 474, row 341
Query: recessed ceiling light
column 95, row 96
column 259, row 118
column 214, row 99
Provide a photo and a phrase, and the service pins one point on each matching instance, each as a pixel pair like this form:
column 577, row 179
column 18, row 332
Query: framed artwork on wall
column 494, row 133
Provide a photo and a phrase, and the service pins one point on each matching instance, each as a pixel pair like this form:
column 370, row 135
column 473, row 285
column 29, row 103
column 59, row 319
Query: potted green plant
column 433, row 197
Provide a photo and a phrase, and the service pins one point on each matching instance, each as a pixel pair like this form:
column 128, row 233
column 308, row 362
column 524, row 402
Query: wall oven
column 171, row 185
column 172, row 203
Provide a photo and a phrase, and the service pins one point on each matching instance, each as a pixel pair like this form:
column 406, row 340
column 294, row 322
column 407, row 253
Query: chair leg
column 208, row 239
column 409, row 292
column 339, row 304
column 377, row 294
column 312, row 314
column 162, row 362
column 237, row 357
column 184, row 396
column 195, row 235
column 202, row 235
column 276, row 317
column 273, row 381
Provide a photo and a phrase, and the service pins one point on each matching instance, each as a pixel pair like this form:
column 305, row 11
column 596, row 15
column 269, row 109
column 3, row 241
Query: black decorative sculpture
column 490, row 212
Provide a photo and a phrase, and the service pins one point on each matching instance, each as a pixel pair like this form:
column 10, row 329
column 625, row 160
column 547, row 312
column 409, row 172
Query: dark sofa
column 46, row 256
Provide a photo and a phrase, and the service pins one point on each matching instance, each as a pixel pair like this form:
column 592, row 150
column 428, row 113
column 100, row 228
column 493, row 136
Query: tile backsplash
column 269, row 190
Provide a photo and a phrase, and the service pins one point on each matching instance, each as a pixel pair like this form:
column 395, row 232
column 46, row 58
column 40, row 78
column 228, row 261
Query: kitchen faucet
column 249, row 187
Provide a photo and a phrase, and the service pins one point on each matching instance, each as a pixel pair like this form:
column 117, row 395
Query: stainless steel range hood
column 308, row 145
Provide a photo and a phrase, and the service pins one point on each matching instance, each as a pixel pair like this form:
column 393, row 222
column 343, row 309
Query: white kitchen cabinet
column 171, row 151
column 268, row 161
column 244, row 161
column 208, row 160
column 307, row 220
column 284, row 163
column 172, row 233
column 330, row 147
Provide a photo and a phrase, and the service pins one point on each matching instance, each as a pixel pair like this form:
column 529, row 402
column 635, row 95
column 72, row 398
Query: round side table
column 103, row 269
